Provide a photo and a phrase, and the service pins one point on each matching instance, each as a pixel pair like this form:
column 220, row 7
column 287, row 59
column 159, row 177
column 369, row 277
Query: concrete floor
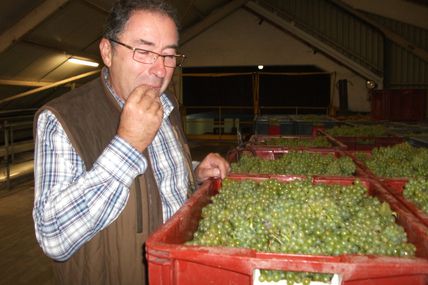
column 21, row 259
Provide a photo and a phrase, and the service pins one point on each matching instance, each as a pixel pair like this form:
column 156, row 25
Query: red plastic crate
column 259, row 140
column 365, row 171
column 368, row 143
column 364, row 143
column 364, row 167
column 172, row 262
column 396, row 187
column 272, row 153
column 274, row 130
column 399, row 104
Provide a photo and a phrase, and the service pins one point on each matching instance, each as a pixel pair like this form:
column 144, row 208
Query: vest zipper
column 139, row 206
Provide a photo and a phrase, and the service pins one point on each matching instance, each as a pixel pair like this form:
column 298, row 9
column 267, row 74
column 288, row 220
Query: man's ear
column 106, row 51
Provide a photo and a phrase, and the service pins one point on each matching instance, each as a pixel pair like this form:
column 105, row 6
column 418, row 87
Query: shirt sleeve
column 71, row 204
column 195, row 164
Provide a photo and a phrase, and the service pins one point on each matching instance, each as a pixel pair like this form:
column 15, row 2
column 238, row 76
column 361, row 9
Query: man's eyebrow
column 147, row 43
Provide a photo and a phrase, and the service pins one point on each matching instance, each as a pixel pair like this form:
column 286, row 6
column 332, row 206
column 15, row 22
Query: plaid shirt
column 72, row 205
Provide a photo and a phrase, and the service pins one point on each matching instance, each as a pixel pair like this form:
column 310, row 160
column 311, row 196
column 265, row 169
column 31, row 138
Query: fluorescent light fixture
column 83, row 62
column 371, row 84
column 260, row 67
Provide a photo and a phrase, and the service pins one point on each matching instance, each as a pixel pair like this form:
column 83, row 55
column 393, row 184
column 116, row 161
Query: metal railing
column 216, row 120
column 15, row 138
column 293, row 110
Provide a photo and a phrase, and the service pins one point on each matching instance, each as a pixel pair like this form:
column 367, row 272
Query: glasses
column 150, row 57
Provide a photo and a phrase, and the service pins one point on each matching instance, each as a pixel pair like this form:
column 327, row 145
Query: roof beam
column 55, row 84
column 23, row 83
column 65, row 51
column 312, row 41
column 31, row 20
column 96, row 6
column 210, row 20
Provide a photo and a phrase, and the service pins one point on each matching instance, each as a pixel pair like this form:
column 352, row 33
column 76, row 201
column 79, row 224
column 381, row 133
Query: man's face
column 146, row 30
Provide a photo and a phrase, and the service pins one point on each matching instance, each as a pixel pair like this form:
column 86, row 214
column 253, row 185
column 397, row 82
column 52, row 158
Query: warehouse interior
column 246, row 60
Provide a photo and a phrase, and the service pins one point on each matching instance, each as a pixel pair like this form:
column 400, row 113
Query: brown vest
column 115, row 256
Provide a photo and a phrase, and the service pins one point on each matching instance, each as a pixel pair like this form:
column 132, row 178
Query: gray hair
column 123, row 9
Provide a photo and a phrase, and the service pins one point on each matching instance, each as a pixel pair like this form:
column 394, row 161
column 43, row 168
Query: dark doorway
column 288, row 86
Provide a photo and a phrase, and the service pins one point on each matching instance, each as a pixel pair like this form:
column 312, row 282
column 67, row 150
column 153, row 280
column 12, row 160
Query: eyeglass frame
column 181, row 57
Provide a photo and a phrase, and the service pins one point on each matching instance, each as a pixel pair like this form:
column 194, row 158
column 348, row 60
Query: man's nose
column 158, row 67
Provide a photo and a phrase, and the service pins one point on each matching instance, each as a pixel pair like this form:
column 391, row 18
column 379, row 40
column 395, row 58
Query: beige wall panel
column 239, row 40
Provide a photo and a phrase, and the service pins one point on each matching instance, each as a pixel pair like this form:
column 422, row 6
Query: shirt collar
column 166, row 103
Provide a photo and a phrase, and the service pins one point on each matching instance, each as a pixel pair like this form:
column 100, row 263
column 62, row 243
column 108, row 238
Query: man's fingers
column 142, row 91
column 205, row 173
column 221, row 164
column 137, row 94
column 153, row 93
column 213, row 165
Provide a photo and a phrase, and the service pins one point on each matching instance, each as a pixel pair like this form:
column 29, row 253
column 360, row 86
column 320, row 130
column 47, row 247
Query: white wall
column 239, row 40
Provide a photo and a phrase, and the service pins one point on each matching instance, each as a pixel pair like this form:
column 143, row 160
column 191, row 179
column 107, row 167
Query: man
column 111, row 161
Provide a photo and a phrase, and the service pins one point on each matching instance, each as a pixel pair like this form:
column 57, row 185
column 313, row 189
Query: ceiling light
column 371, row 84
column 260, row 67
column 83, row 62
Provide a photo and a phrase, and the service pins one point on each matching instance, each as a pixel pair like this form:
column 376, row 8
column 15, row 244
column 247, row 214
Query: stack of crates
column 274, row 125
column 172, row 261
column 304, row 124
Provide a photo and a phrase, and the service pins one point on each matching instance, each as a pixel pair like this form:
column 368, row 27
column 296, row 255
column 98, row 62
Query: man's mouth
column 155, row 87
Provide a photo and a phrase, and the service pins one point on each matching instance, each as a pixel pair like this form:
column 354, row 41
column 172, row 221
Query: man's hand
column 213, row 165
column 141, row 117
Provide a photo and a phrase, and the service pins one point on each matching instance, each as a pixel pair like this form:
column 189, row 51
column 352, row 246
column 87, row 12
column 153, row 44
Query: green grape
column 298, row 142
column 297, row 163
column 301, row 218
column 401, row 160
column 416, row 190
column 358, row 131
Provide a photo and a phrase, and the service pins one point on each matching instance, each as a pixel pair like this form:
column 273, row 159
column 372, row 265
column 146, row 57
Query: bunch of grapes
column 416, row 190
column 358, row 131
column 298, row 142
column 300, row 218
column 401, row 160
column 297, row 163
column 362, row 156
